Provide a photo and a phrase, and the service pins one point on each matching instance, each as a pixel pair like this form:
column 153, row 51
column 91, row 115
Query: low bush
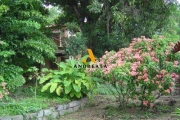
column 68, row 80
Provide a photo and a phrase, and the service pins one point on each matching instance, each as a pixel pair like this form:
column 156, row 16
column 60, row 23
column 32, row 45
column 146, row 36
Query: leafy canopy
column 23, row 42
column 111, row 24
column 22, row 27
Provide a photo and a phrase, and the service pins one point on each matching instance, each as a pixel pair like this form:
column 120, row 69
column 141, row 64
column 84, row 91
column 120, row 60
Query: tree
column 111, row 24
column 22, row 29
column 54, row 13
column 173, row 27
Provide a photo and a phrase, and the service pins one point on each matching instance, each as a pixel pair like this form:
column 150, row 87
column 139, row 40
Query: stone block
column 54, row 115
column 30, row 116
column 40, row 114
column 60, row 107
column 62, row 112
column 65, row 106
column 47, row 112
column 53, row 109
column 74, row 103
column 76, row 108
column 43, row 118
column 6, row 118
column 17, row 117
column 52, row 112
column 70, row 110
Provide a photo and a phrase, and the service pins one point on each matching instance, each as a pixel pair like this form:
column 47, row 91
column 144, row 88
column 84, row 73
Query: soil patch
column 105, row 107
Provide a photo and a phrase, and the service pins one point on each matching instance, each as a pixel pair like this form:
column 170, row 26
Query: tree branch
column 77, row 15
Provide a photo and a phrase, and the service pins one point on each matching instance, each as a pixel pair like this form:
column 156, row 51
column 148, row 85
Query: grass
column 21, row 106
column 23, row 101
column 106, row 89
column 134, row 112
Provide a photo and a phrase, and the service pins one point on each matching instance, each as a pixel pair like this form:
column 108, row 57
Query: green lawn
column 23, row 101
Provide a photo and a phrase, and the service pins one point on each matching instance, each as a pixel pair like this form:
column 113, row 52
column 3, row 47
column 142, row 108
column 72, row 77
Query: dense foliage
column 111, row 24
column 75, row 45
column 68, row 80
column 9, row 73
column 21, row 27
column 145, row 70
column 23, row 40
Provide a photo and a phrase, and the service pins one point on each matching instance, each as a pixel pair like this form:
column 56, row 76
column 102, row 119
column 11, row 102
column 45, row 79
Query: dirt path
column 94, row 110
column 97, row 110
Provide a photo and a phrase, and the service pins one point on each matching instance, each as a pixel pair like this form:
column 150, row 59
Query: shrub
column 9, row 73
column 145, row 70
column 68, row 80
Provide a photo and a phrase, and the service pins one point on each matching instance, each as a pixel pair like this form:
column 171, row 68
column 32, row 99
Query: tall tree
column 111, row 24
column 22, row 29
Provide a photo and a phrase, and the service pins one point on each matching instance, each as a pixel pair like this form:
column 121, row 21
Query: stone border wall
column 50, row 113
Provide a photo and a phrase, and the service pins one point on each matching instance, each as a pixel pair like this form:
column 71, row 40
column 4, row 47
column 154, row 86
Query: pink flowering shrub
column 145, row 70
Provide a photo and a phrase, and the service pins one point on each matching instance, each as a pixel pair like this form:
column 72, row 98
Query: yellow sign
column 91, row 56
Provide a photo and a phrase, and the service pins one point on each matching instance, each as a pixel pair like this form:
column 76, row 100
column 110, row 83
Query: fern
column 106, row 89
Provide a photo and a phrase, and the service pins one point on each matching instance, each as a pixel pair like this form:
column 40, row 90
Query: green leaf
column 78, row 94
column 72, row 94
column 78, row 82
column 45, row 70
column 63, row 72
column 87, row 78
column 57, row 73
column 62, row 65
column 58, row 90
column 53, row 87
column 67, row 82
column 76, row 88
column 56, row 76
column 68, row 89
column 45, row 87
column 56, row 80
column 71, row 71
column 45, row 78
column 84, row 57
column 73, row 62
column 86, row 84
column 96, row 79
column 80, row 74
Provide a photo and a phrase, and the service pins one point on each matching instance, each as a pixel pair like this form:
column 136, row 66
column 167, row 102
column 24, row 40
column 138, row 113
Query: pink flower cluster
column 112, row 60
column 1, row 95
column 133, row 69
column 146, row 103
column 4, row 90
column 176, row 63
column 136, row 56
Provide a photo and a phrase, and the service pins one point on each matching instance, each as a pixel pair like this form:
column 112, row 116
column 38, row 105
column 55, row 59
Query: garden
column 122, row 60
